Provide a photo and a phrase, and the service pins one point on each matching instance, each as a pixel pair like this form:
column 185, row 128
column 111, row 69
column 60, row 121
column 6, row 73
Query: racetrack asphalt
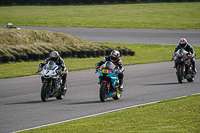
column 122, row 35
column 22, row 108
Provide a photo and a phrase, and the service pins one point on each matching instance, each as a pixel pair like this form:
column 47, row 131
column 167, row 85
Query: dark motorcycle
column 52, row 81
column 183, row 66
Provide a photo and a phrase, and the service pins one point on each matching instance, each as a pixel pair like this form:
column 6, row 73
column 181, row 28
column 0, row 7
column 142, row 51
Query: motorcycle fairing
column 111, row 94
column 113, row 77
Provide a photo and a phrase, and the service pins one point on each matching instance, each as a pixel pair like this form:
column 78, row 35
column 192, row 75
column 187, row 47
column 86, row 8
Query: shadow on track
column 163, row 84
column 91, row 102
column 30, row 102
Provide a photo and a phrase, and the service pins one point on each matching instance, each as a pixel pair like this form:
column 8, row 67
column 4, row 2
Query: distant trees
column 67, row 2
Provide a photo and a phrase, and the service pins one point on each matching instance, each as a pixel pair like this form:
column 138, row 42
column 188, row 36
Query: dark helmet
column 114, row 56
column 54, row 56
column 183, row 42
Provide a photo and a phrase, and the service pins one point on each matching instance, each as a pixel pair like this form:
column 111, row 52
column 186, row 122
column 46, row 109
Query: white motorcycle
column 52, row 81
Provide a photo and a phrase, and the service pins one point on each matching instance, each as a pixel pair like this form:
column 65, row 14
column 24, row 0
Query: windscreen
column 108, row 65
column 181, row 51
column 51, row 65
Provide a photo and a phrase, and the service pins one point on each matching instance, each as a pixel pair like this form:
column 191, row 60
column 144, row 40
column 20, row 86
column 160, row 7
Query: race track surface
column 141, row 36
column 22, row 108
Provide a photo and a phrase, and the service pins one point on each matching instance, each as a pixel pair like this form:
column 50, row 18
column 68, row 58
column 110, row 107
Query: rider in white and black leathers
column 114, row 58
column 54, row 56
column 185, row 45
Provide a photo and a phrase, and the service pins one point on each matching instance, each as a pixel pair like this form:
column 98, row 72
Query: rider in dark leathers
column 10, row 25
column 114, row 58
column 54, row 56
column 185, row 45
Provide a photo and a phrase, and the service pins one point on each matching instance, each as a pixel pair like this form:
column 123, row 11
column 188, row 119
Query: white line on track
column 99, row 114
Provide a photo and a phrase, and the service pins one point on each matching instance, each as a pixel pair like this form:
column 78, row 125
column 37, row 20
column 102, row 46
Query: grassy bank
column 22, row 42
column 150, row 16
column 174, row 115
column 144, row 53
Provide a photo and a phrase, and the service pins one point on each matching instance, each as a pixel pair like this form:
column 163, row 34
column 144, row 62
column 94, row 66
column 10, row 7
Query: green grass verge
column 144, row 53
column 168, row 116
column 149, row 15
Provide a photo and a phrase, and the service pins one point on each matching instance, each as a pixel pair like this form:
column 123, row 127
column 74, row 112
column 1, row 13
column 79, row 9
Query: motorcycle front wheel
column 44, row 92
column 180, row 74
column 103, row 93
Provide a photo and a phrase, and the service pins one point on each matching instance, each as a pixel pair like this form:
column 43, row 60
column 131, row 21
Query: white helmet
column 9, row 25
column 114, row 56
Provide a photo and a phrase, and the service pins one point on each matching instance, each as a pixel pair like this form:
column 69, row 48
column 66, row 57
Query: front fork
column 183, row 70
column 108, row 84
column 45, row 80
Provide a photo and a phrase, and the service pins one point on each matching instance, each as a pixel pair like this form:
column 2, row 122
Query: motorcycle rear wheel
column 44, row 92
column 180, row 74
column 118, row 95
column 191, row 79
column 103, row 93
column 62, row 94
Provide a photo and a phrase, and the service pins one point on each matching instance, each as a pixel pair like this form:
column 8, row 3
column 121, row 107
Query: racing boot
column 121, row 87
column 64, row 87
column 193, row 68
column 121, row 76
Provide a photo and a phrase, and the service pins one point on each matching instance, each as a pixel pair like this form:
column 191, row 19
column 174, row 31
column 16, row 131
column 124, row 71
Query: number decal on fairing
column 47, row 72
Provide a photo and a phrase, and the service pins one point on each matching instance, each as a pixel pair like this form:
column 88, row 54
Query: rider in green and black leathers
column 114, row 58
column 185, row 45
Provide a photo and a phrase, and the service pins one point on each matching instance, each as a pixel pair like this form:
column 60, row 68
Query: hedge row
column 68, row 54
column 67, row 2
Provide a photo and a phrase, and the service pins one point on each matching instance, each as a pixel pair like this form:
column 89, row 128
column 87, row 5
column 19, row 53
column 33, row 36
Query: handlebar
column 97, row 69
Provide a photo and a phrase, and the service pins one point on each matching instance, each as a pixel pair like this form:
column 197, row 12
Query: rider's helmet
column 114, row 56
column 54, row 56
column 183, row 42
column 10, row 25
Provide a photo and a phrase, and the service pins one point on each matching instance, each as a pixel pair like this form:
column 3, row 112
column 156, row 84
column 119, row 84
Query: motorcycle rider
column 10, row 25
column 114, row 58
column 54, row 56
column 183, row 43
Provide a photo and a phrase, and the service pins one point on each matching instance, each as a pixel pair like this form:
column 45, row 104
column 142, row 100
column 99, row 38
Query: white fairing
column 50, row 70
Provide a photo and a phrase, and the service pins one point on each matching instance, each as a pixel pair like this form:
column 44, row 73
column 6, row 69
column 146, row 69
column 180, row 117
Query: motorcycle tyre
column 118, row 95
column 44, row 92
column 180, row 74
column 62, row 94
column 102, row 92
column 191, row 79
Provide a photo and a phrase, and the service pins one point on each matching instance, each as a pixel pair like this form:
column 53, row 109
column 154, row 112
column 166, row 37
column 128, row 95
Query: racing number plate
column 105, row 71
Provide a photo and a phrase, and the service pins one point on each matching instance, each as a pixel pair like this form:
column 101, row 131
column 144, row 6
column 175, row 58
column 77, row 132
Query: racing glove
column 97, row 67
column 39, row 69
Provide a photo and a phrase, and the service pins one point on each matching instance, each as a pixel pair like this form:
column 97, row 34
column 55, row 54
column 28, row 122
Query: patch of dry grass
column 21, row 42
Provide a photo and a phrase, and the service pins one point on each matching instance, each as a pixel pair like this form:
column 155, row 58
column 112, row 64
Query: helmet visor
column 53, row 59
column 182, row 44
column 114, row 58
